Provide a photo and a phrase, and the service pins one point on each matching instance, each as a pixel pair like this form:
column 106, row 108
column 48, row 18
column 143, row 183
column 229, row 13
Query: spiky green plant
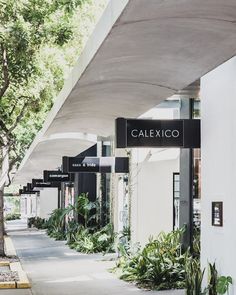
column 160, row 265
column 194, row 277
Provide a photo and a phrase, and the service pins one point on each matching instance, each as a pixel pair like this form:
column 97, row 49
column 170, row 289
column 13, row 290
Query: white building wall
column 151, row 186
column 152, row 198
column 23, row 206
column 48, row 201
column 28, row 205
column 218, row 94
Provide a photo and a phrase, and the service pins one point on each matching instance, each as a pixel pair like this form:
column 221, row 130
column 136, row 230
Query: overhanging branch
column 11, row 165
column 6, row 80
column 20, row 116
column 3, row 126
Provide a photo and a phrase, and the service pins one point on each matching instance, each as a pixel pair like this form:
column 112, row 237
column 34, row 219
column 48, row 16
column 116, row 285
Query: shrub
column 37, row 222
column 56, row 224
column 87, row 241
column 84, row 235
column 12, row 216
column 194, row 277
column 160, row 265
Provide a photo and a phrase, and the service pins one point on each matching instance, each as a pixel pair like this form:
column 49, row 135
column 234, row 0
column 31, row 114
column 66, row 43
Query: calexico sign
column 157, row 133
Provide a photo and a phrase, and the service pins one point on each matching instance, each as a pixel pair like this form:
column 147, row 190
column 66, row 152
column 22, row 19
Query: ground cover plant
column 80, row 226
column 12, row 216
column 93, row 241
column 160, row 265
column 37, row 222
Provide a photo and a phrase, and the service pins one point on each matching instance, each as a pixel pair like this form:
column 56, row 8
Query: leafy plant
column 196, row 242
column 160, row 265
column 83, row 235
column 84, row 209
column 12, row 216
column 72, row 228
column 87, row 241
column 223, row 284
column 40, row 41
column 56, row 224
column 213, row 277
column 194, row 277
column 126, row 234
column 218, row 285
column 37, row 222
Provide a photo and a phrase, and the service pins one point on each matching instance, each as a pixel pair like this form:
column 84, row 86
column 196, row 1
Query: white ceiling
column 132, row 62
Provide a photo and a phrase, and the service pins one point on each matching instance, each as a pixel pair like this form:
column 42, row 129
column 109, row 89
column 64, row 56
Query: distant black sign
column 26, row 191
column 57, row 176
column 29, row 187
column 80, row 164
column 42, row 183
column 30, row 192
column 157, row 133
column 95, row 164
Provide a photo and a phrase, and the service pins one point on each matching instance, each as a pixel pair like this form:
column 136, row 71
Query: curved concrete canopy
column 154, row 49
column 47, row 154
column 139, row 57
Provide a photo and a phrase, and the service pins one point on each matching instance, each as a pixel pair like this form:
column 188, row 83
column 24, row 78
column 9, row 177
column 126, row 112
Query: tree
column 34, row 60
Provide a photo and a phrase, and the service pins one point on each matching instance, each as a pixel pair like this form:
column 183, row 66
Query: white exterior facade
column 150, row 187
column 29, row 205
column 218, row 94
column 39, row 205
column 152, row 202
column 48, row 202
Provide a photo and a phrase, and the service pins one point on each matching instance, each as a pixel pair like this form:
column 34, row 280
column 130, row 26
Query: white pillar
column 218, row 95
column 48, row 201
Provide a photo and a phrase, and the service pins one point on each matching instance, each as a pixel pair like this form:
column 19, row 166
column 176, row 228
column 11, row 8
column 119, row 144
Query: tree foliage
column 39, row 43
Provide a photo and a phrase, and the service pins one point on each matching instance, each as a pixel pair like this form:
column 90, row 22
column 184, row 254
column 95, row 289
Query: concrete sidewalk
column 54, row 269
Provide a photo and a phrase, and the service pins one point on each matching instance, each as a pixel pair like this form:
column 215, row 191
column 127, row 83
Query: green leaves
column 213, row 276
column 84, row 235
column 160, row 265
column 223, row 284
column 40, row 40
column 194, row 277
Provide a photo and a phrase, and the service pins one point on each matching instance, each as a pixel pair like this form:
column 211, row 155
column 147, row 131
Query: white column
column 48, row 201
column 218, row 94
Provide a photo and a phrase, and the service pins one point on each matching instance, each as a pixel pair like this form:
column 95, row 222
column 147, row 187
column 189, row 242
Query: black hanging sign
column 57, row 176
column 27, row 191
column 95, row 164
column 157, row 133
column 42, row 183
column 29, row 186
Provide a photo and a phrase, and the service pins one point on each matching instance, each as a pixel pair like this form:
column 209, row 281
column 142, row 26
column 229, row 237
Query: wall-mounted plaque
column 157, row 133
column 217, row 213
